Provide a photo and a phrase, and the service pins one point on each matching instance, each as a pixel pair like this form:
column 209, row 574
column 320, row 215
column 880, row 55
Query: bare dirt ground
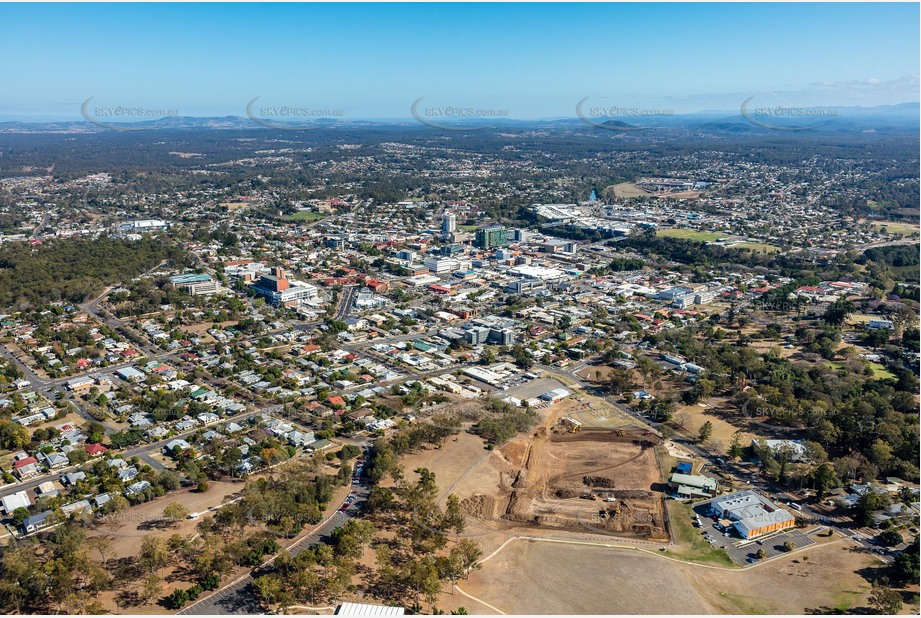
column 723, row 430
column 128, row 528
column 548, row 480
column 625, row 190
column 530, row 577
column 829, row 579
column 566, row 480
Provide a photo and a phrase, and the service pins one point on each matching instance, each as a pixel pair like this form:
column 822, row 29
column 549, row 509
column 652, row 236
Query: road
column 345, row 302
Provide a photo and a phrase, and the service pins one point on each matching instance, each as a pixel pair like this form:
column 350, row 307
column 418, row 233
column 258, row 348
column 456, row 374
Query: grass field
column 690, row 234
column 305, row 215
column 756, row 246
column 690, row 544
column 880, row 372
column 468, row 228
column 898, row 228
column 722, row 430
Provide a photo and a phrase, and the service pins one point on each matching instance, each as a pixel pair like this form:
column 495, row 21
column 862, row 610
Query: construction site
column 586, row 479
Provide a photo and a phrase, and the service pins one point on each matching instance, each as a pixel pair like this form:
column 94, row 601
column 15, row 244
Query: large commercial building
column 278, row 289
column 143, row 225
column 195, row 284
column 441, row 265
column 492, row 237
column 752, row 514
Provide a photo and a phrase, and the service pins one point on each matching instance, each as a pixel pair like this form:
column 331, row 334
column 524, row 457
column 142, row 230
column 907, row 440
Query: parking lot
column 773, row 546
column 522, row 388
column 744, row 552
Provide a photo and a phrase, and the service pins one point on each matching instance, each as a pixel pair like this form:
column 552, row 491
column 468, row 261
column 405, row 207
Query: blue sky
column 529, row 60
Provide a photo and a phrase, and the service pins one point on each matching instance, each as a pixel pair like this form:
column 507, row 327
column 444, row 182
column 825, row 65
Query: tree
column 175, row 512
column 706, row 430
column 867, row 504
column 421, row 576
column 824, row 478
column 905, row 567
column 151, row 586
column 272, row 591
column 735, row 446
column 13, row 435
column 232, row 458
column 761, row 554
column 789, row 546
column 154, row 554
column 885, row 600
column 890, row 538
column 177, row 599
column 20, row 515
column 453, row 517
column 101, row 544
column 469, row 554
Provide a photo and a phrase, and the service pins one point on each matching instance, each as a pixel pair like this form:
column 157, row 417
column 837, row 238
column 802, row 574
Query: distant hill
column 884, row 119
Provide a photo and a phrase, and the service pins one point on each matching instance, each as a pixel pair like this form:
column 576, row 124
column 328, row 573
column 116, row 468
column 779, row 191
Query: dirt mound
column 632, row 494
column 598, row 481
column 479, row 506
column 515, row 452
column 567, row 493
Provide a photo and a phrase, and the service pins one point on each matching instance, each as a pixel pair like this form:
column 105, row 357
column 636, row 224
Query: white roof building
column 364, row 609
column 14, row 501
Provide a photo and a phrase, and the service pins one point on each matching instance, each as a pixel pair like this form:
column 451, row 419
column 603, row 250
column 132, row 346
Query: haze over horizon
column 369, row 61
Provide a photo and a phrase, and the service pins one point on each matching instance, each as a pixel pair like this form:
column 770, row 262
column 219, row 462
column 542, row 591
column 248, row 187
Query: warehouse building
column 692, row 485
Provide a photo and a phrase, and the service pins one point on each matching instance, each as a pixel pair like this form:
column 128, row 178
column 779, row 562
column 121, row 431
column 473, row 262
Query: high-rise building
column 448, row 223
column 492, row 236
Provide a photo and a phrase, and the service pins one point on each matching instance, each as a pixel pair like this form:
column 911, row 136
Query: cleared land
column 128, row 528
column 533, row 577
column 628, row 189
column 690, row 234
column 554, row 578
column 713, row 410
column 551, row 480
column 907, row 229
column 305, row 215
column 756, row 246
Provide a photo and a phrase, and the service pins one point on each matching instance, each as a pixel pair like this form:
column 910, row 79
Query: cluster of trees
column 284, row 504
column 317, row 574
column 503, row 422
column 76, row 269
column 866, row 426
column 417, row 563
column 892, row 255
column 56, row 575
